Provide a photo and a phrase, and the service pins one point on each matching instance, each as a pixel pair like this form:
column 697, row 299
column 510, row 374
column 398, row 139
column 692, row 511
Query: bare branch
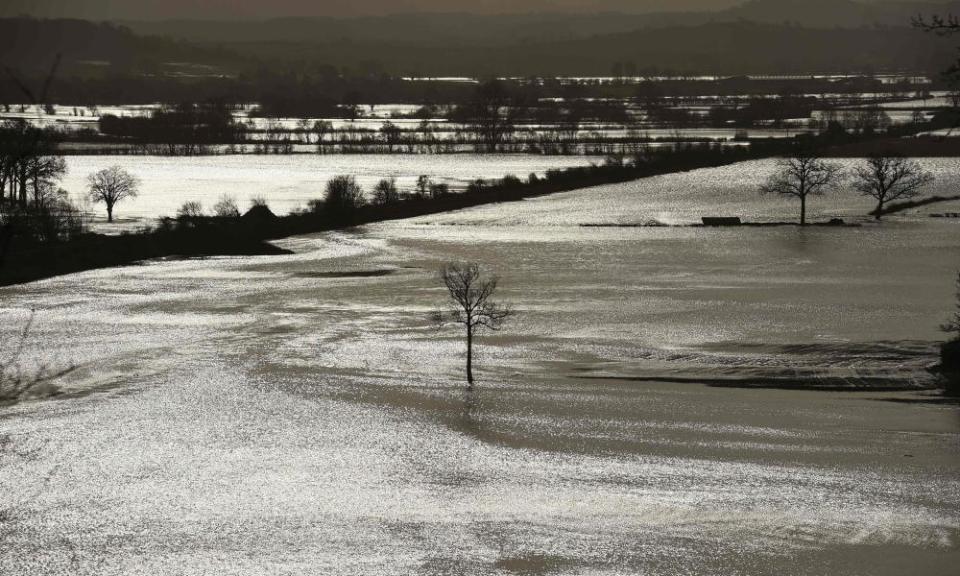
column 800, row 176
column 937, row 24
column 890, row 178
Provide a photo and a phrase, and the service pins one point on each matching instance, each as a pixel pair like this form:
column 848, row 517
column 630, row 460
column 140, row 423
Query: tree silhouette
column 890, row 178
column 343, row 196
column 492, row 121
column 385, row 192
column 473, row 308
column 226, row 207
column 112, row 185
column 800, row 176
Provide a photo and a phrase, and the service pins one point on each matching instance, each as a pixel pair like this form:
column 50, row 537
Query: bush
column 423, row 186
column 477, row 186
column 510, row 181
column 439, row 190
column 315, row 206
column 226, row 207
column 190, row 209
column 56, row 219
column 343, row 196
column 385, row 192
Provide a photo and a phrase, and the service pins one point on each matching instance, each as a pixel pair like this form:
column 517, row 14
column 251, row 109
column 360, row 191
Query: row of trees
column 29, row 165
column 33, row 206
column 497, row 116
column 884, row 178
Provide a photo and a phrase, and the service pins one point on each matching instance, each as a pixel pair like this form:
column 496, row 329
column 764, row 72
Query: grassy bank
column 27, row 263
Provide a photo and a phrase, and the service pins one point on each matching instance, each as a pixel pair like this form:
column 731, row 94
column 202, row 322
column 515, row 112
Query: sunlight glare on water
column 301, row 414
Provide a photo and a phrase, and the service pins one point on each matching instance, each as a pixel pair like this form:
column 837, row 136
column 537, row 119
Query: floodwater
column 289, row 182
column 301, row 414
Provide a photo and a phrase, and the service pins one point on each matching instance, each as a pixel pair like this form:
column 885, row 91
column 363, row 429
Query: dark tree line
column 186, row 128
column 29, row 165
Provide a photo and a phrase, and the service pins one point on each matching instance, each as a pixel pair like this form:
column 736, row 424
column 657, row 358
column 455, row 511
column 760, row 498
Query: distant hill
column 459, row 45
column 29, row 44
column 253, row 10
column 833, row 13
column 401, row 29
column 724, row 48
column 462, row 28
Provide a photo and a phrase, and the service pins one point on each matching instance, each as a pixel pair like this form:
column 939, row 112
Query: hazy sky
column 152, row 9
column 228, row 9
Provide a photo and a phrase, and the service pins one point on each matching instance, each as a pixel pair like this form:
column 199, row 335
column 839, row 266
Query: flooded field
column 288, row 182
column 302, row 414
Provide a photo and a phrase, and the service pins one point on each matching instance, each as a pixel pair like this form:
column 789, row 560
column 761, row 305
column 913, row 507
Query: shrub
column 343, row 195
column 190, row 209
column 226, row 207
column 314, row 206
column 423, row 186
column 439, row 190
column 385, row 192
column 55, row 219
column 477, row 186
column 510, row 181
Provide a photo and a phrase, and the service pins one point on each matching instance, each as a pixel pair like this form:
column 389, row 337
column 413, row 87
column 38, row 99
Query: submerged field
column 301, row 414
column 288, row 182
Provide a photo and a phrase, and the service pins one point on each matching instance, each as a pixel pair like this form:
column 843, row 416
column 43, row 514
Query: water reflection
column 311, row 418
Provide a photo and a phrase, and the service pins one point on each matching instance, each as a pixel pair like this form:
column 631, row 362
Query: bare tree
column 111, row 185
column 392, row 134
column 800, row 176
column 321, row 128
column 890, row 178
column 492, row 122
column 45, row 171
column 190, row 209
column 473, row 308
column 423, row 186
column 226, row 207
column 385, row 192
column 942, row 25
column 343, row 196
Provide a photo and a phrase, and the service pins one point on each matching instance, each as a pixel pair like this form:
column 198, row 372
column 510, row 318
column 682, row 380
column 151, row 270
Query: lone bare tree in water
column 111, row 185
column 473, row 308
column 890, row 178
column 802, row 175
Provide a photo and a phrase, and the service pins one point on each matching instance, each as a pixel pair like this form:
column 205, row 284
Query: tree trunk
column 109, row 213
column 469, row 357
column 23, row 189
column 880, row 209
column 803, row 210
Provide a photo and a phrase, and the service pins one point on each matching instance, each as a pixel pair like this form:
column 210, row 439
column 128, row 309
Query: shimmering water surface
column 302, row 415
